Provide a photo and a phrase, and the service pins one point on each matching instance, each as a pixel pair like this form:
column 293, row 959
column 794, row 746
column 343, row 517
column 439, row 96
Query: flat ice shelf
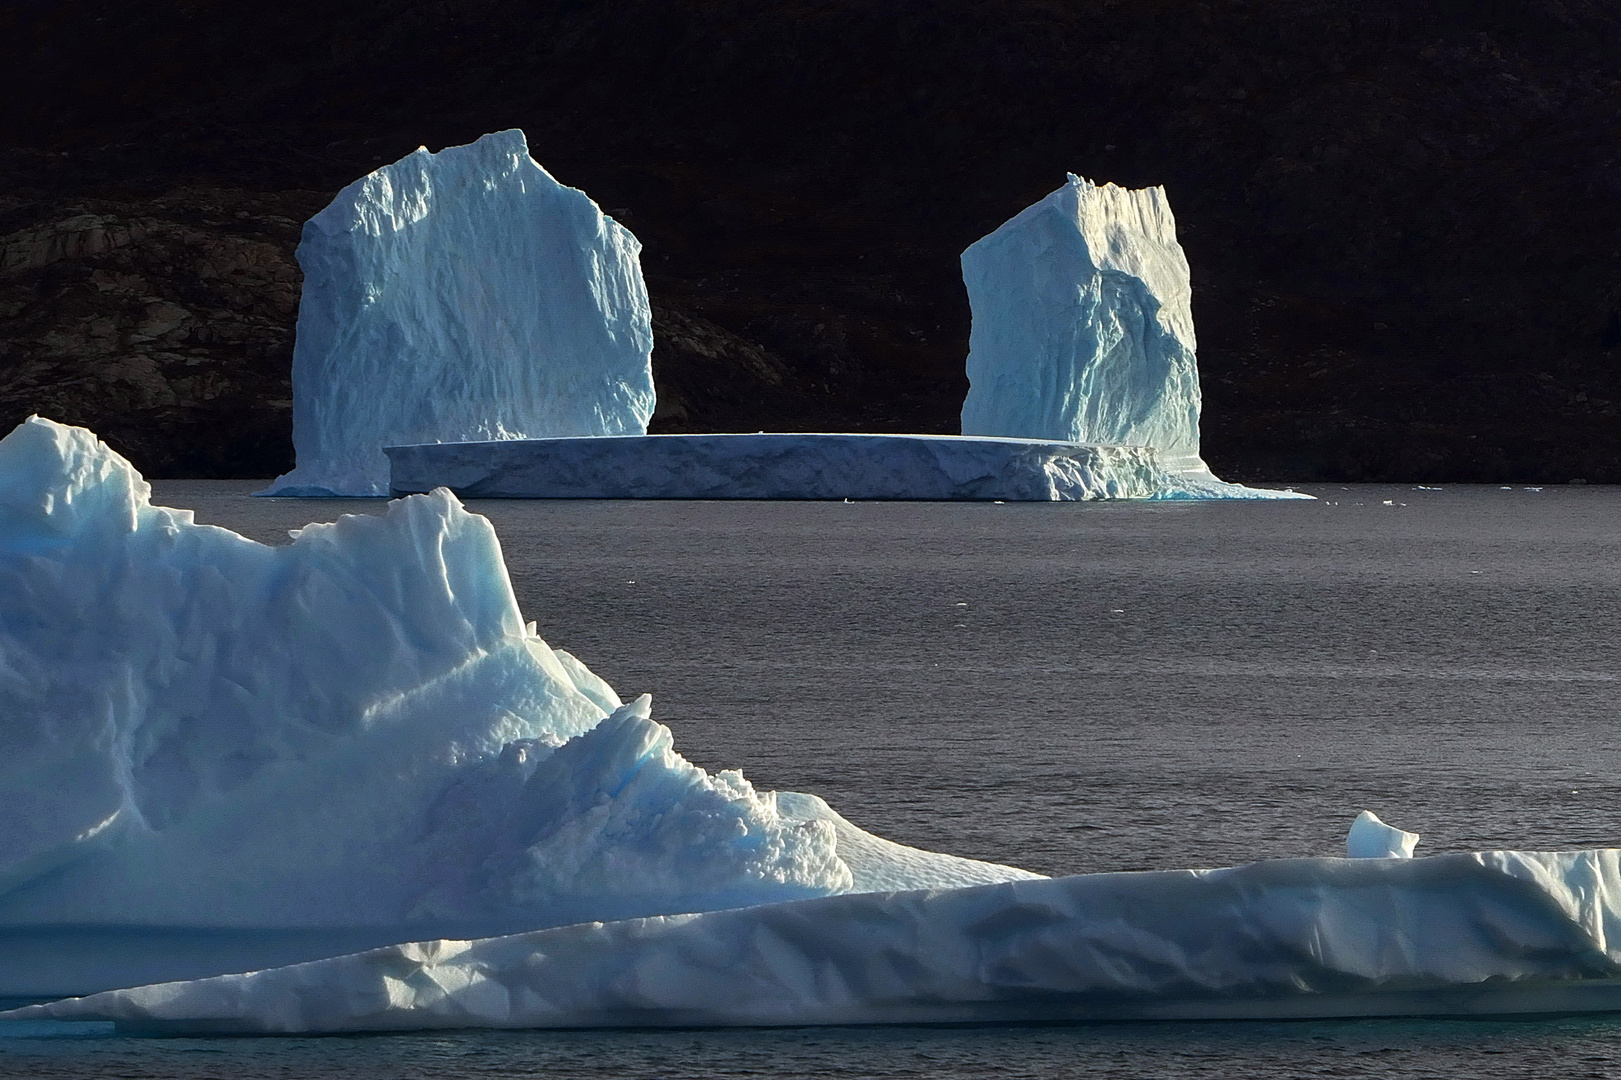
column 778, row 466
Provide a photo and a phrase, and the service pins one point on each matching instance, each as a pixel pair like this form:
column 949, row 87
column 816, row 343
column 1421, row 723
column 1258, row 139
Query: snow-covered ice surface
column 278, row 753
column 779, row 466
column 1083, row 331
column 462, row 295
column 1463, row 934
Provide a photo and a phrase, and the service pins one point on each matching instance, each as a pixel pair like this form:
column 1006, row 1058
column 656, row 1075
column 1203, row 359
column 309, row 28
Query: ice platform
column 770, row 465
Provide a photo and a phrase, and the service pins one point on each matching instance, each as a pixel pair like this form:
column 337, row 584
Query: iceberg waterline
column 354, row 737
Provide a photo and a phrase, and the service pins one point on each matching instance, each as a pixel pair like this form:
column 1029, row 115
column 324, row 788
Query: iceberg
column 469, row 322
column 221, row 755
column 463, row 295
column 1083, row 325
column 772, row 465
column 341, row 785
column 1371, row 838
column 1084, row 386
column 1485, row 933
column 1083, row 331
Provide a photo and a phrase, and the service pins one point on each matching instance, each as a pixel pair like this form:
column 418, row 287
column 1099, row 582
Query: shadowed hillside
column 1403, row 216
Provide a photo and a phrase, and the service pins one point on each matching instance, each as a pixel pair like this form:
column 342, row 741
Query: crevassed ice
column 356, row 729
column 462, row 295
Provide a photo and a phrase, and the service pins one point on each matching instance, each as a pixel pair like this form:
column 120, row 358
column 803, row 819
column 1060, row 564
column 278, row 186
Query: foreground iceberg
column 1462, row 934
column 219, row 755
column 462, row 295
column 222, row 757
column 1083, row 330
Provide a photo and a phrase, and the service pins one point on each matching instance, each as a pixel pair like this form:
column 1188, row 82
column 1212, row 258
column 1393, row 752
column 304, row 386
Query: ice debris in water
column 1083, row 332
column 357, row 729
column 462, row 295
column 1371, row 838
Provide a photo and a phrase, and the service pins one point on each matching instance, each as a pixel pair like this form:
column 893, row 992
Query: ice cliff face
column 356, row 729
column 462, row 295
column 1082, row 326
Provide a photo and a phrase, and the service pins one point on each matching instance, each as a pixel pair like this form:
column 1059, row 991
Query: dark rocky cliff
column 1402, row 215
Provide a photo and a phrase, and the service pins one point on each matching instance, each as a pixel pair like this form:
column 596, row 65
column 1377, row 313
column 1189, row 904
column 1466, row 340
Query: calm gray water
column 1068, row 688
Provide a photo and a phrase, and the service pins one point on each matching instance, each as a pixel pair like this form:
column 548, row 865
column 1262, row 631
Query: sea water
column 1069, row 688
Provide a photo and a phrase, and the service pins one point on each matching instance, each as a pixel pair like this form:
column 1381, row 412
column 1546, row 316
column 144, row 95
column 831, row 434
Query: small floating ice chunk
column 1371, row 838
column 350, row 739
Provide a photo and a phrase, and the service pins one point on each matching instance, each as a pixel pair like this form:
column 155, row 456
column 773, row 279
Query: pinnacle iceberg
column 1083, row 326
column 462, row 295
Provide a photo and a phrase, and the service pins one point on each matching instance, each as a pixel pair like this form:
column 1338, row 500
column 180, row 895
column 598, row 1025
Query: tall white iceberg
column 217, row 755
column 463, row 295
column 1083, row 326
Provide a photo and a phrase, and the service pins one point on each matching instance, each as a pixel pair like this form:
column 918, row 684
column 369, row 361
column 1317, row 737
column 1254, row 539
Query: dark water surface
column 1068, row 688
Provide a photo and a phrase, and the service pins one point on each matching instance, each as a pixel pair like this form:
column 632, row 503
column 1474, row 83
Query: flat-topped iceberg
column 220, row 755
column 1486, row 933
column 776, row 465
column 462, row 295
